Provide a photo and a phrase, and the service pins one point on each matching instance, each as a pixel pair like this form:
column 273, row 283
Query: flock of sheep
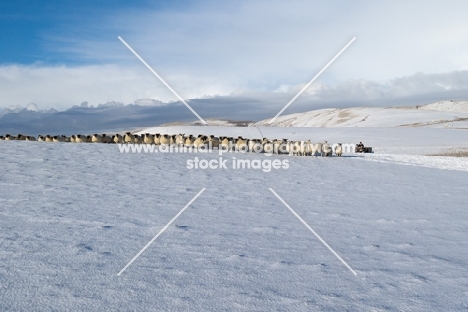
column 284, row 146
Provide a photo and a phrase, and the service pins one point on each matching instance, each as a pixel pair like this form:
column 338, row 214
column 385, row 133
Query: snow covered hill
column 451, row 114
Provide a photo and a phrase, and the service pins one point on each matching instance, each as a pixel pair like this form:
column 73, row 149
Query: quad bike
column 363, row 149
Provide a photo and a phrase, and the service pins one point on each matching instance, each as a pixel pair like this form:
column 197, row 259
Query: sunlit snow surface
column 72, row 216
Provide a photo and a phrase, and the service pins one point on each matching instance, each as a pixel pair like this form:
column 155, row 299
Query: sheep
column 106, row 138
column 267, row 146
column 255, row 145
column 283, row 146
column 60, row 138
column 199, row 141
column 258, row 145
column 241, row 145
column 303, row 148
column 189, row 141
column 79, row 138
column 172, row 139
column 138, row 139
column 165, row 140
column 9, row 137
column 20, row 137
column 179, row 139
column 327, row 151
column 251, row 144
column 148, row 138
column 157, row 139
column 117, row 138
column 129, row 138
column 225, row 143
column 277, row 147
column 213, row 141
column 315, row 149
column 286, row 146
column 338, row 150
column 96, row 138
column 296, row 148
column 299, row 148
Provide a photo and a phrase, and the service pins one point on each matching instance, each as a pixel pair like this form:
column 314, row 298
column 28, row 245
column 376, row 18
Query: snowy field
column 72, row 216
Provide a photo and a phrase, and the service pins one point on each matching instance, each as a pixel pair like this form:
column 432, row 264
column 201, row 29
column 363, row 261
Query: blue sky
column 31, row 29
column 61, row 53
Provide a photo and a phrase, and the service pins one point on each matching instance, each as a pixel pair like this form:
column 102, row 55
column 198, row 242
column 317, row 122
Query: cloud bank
column 241, row 105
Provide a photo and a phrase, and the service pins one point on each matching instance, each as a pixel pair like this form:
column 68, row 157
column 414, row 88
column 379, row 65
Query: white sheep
column 241, row 145
column 199, row 141
column 148, row 138
column 267, row 146
column 225, row 143
column 157, row 139
column 277, row 146
column 315, row 149
column 96, row 138
column 180, row 139
column 164, row 140
column 327, row 151
column 79, row 138
column 117, row 138
column 129, row 138
column 338, row 150
column 189, row 140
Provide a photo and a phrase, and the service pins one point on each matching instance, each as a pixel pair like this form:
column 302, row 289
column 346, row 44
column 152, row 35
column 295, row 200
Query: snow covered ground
column 72, row 216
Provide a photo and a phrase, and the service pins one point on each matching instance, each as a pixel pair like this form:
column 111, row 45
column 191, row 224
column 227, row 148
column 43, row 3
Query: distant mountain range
column 106, row 117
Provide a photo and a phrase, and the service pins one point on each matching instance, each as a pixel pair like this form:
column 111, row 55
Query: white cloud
column 263, row 44
column 61, row 87
column 419, row 84
column 208, row 48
